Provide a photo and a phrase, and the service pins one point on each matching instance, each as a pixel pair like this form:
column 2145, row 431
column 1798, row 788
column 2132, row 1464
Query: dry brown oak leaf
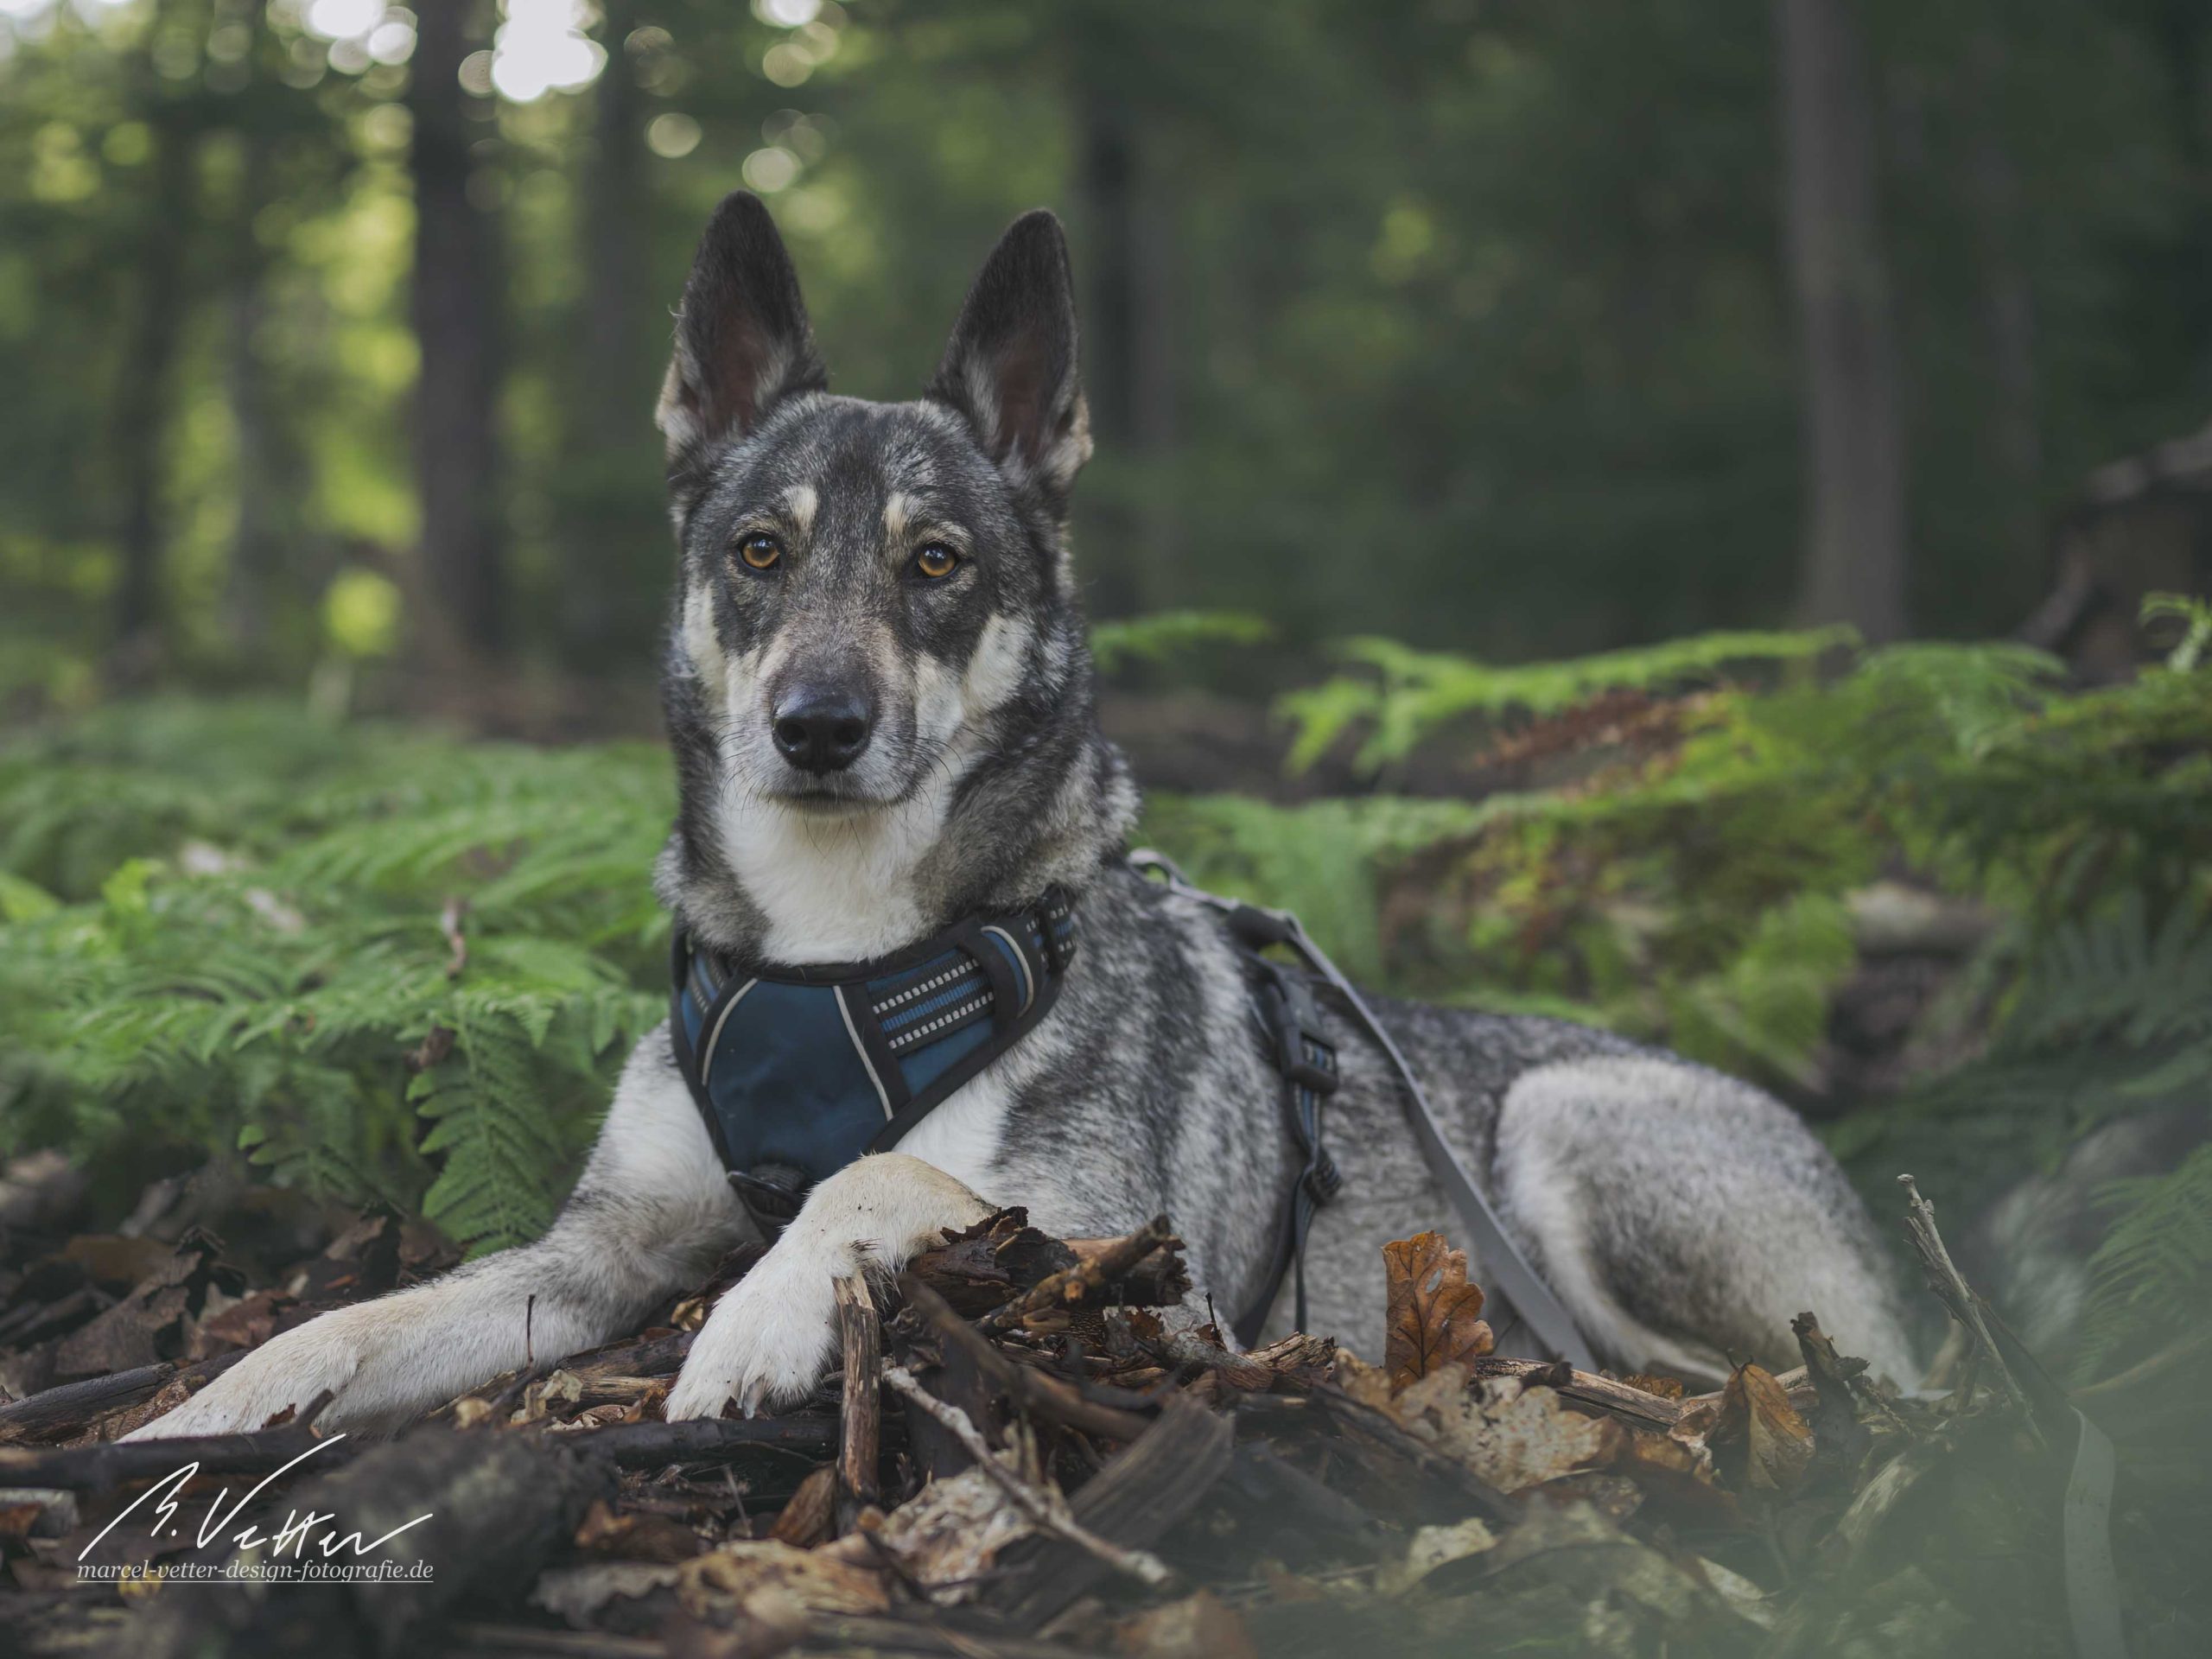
column 1434, row 1314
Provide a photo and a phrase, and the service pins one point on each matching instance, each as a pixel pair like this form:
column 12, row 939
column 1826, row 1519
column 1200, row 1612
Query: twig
column 1953, row 1291
column 449, row 920
column 706, row 1439
column 1632, row 1405
column 860, row 1435
column 1044, row 1505
column 1078, row 1286
column 1030, row 1390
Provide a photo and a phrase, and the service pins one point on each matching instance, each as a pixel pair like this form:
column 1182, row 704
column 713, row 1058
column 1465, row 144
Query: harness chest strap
column 800, row 1070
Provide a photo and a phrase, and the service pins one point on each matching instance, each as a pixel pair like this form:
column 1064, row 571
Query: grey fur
column 1682, row 1216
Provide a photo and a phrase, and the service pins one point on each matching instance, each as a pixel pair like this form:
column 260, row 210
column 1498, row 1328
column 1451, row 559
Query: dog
column 880, row 699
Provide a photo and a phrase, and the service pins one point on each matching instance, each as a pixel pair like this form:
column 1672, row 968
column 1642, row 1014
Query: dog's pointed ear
column 1010, row 370
column 742, row 340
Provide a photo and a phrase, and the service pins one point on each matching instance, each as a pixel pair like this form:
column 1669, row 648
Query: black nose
column 820, row 730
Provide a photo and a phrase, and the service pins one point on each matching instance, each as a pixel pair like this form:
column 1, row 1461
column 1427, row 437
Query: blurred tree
column 459, row 323
column 166, row 214
column 1854, row 443
column 1479, row 322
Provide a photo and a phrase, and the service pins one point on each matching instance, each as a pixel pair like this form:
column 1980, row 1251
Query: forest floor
column 1018, row 1457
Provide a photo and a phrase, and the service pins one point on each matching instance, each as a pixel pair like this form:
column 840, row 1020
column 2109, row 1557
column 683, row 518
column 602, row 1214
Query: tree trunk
column 456, row 311
column 614, row 244
column 2008, row 314
column 1854, row 557
column 142, row 400
column 609, row 593
column 1129, row 367
column 257, row 572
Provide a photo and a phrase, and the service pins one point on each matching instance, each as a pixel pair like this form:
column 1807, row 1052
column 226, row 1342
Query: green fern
column 1164, row 633
column 261, row 957
column 1413, row 694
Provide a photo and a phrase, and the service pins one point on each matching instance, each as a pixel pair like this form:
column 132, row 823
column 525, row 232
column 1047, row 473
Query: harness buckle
column 1304, row 1057
column 771, row 1195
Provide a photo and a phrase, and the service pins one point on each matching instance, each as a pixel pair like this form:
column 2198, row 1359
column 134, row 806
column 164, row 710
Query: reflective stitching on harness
column 922, row 1034
column 926, row 986
column 845, row 1009
column 714, row 1038
column 964, row 986
column 1021, row 957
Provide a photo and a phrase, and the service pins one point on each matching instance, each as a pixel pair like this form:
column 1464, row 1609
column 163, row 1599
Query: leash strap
column 1502, row 1264
column 1307, row 1064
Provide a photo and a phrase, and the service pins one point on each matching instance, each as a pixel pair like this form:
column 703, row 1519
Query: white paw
column 769, row 1339
column 290, row 1370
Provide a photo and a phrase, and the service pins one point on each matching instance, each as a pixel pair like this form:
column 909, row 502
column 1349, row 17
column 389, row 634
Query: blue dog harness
column 798, row 1071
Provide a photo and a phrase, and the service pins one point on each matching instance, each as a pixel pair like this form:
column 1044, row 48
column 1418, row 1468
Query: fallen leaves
column 1511, row 1435
column 1760, row 1442
column 1433, row 1315
column 1297, row 1498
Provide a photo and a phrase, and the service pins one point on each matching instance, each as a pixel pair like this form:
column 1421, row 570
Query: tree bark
column 1854, row 555
column 257, row 572
column 607, row 567
column 1129, row 366
column 142, row 401
column 2008, row 312
column 456, row 312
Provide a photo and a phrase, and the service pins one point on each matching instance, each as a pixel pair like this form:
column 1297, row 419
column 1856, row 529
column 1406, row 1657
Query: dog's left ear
column 1010, row 369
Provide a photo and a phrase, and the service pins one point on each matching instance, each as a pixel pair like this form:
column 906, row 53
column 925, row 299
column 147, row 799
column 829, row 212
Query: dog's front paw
column 291, row 1370
column 768, row 1341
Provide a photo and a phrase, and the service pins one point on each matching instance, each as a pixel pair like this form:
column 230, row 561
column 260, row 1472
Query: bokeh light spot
column 788, row 14
column 770, row 170
column 672, row 135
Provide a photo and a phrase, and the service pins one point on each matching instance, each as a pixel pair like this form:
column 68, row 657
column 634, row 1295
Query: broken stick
column 1043, row 1504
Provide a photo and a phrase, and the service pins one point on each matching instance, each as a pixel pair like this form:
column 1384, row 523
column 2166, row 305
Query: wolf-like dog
column 881, row 703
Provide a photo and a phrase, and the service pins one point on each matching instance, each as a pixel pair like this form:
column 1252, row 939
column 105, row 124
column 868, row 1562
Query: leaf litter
column 1050, row 1460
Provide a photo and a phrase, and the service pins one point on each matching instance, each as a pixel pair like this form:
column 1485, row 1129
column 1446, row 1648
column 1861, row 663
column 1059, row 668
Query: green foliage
column 1693, row 878
column 1418, row 692
column 1467, row 323
column 1166, row 633
column 235, row 924
column 229, row 927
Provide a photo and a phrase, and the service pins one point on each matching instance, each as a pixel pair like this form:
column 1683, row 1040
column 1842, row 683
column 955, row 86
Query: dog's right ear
column 742, row 340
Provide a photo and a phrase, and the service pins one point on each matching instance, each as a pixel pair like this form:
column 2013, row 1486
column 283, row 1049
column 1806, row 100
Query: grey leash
column 1501, row 1263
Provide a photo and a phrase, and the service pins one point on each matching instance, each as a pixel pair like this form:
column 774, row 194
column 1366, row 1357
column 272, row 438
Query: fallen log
column 475, row 1516
column 73, row 1407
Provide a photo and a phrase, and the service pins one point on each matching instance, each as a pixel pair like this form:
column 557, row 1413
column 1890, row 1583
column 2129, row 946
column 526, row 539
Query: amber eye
column 760, row 550
column 936, row 560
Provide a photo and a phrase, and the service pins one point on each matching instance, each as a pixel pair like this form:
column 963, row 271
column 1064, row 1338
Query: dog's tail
column 2029, row 1255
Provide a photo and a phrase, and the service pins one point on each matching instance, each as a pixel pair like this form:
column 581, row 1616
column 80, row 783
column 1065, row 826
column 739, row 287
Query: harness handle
column 1501, row 1261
